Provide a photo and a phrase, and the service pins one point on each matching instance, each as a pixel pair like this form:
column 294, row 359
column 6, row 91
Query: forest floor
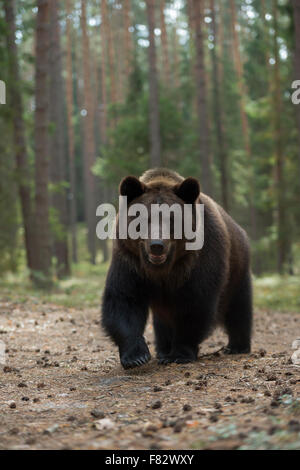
column 62, row 386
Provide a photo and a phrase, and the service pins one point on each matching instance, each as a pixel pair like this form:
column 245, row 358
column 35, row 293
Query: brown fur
column 193, row 290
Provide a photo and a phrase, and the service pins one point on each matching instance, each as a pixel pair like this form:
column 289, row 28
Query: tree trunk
column 154, row 93
column 296, row 6
column 110, row 48
column 89, row 140
column 57, row 148
column 203, row 127
column 265, row 34
column 103, row 109
column 282, row 229
column 244, row 119
column 42, row 253
column 218, row 112
column 164, row 45
column 221, row 43
column 23, row 178
column 240, row 73
column 71, row 138
column 175, row 57
column 127, row 39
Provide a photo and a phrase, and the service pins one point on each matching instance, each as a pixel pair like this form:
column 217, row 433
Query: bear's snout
column 156, row 247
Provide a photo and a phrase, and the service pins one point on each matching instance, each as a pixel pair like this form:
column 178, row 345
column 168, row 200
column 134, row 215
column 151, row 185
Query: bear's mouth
column 157, row 260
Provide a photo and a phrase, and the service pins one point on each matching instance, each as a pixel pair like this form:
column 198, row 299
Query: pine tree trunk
column 164, row 44
column 21, row 156
column 282, row 229
column 244, row 118
column 104, row 70
column 240, row 73
column 127, row 39
column 71, row 138
column 218, row 112
column 265, row 34
column 154, row 93
column 57, row 147
column 89, row 141
column 175, row 57
column 221, row 42
column 203, row 127
column 42, row 253
column 110, row 48
column 296, row 5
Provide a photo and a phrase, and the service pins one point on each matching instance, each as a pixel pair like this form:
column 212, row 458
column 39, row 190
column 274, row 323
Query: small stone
column 97, row 414
column 12, row 405
column 271, row 378
column 272, row 430
column 51, row 429
column 178, row 426
column 156, row 405
column 71, row 419
column 247, row 400
column 187, row 407
column 274, row 403
column 103, row 424
column 296, row 344
column 30, row 441
column 296, row 358
column 22, row 385
column 14, row 431
column 294, row 425
column 214, row 417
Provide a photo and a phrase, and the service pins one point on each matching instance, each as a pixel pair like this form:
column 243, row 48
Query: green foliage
column 129, row 147
column 277, row 293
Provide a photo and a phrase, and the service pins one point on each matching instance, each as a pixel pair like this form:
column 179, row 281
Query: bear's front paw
column 135, row 354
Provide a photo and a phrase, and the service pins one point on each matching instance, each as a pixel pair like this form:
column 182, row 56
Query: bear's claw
column 130, row 363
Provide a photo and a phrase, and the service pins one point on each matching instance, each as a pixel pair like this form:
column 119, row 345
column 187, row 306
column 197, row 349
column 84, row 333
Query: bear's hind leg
column 238, row 319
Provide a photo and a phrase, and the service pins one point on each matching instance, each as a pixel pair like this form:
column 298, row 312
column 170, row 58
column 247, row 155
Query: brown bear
column 188, row 291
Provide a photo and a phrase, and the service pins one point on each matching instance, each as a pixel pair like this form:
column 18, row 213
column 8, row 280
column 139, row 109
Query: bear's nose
column 156, row 247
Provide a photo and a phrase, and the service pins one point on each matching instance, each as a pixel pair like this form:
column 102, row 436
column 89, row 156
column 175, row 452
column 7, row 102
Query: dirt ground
column 62, row 387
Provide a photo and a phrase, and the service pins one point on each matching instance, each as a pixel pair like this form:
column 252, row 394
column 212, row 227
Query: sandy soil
column 63, row 388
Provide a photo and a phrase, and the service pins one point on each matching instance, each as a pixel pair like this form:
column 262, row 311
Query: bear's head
column 155, row 218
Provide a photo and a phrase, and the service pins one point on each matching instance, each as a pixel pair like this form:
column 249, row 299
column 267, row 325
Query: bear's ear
column 188, row 190
column 131, row 187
